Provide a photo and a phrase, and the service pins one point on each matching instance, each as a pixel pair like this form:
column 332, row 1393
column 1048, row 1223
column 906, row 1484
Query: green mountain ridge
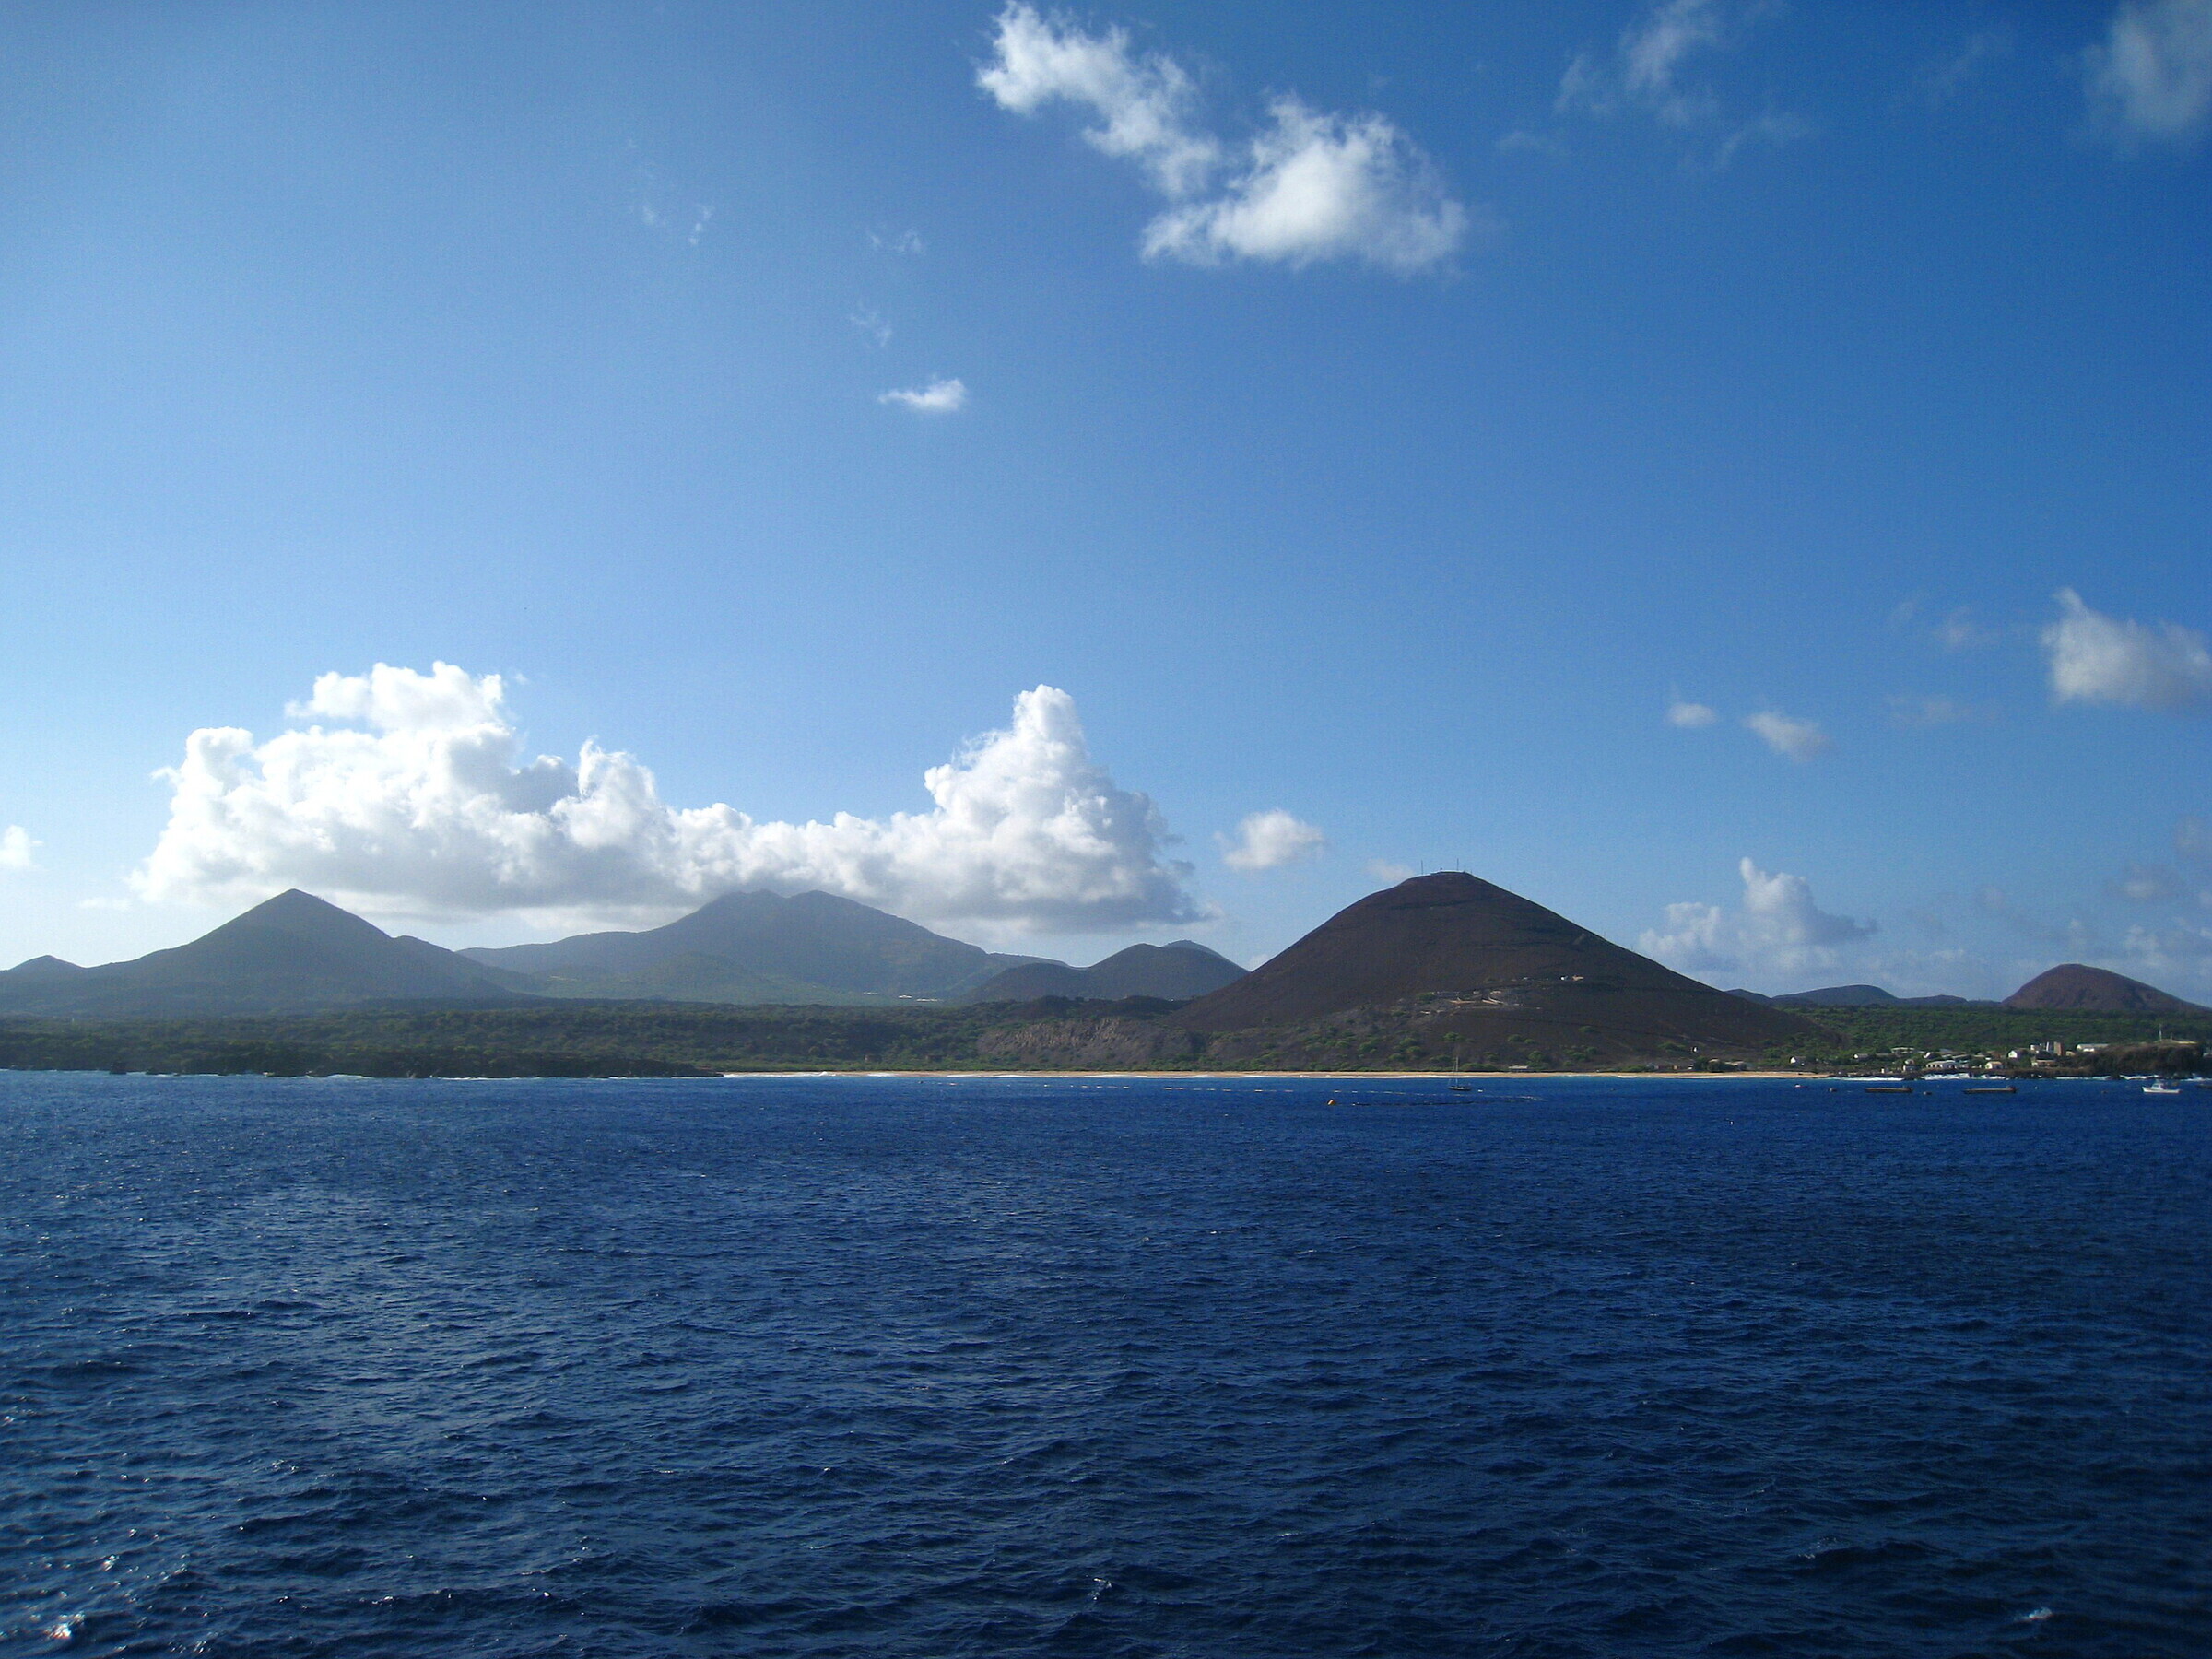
column 292, row 953
column 836, row 947
column 1173, row 972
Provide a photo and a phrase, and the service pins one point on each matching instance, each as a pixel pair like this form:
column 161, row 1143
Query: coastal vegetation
column 629, row 1039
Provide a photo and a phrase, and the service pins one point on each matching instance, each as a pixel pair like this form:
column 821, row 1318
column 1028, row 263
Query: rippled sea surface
column 942, row 1367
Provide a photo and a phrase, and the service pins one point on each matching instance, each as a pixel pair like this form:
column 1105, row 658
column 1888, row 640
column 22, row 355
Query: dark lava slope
column 1484, row 967
column 2096, row 990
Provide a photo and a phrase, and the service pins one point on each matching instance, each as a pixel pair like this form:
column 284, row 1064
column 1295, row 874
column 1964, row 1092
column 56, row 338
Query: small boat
column 2161, row 1089
column 1990, row 1089
column 1888, row 1089
column 1461, row 1088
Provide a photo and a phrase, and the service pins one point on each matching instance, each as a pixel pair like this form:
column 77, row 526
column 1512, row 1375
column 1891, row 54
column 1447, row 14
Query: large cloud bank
column 415, row 801
column 1311, row 185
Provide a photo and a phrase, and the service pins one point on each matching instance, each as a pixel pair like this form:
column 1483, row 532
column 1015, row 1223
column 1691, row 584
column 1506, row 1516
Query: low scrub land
column 700, row 1040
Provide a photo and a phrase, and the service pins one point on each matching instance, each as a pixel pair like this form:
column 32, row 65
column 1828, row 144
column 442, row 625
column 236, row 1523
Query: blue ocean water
column 948, row 1367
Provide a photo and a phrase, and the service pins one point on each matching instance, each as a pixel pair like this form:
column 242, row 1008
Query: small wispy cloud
column 1799, row 740
column 17, row 851
column 2147, row 884
column 1955, row 631
column 1690, row 715
column 2151, row 77
column 1959, row 631
column 871, row 323
column 939, row 397
column 1939, row 82
column 1521, row 141
column 2121, row 664
column 662, row 207
column 1652, row 71
column 2193, row 840
column 1310, row 185
column 905, row 244
column 1385, row 869
column 1654, row 49
column 1269, row 841
column 1936, row 711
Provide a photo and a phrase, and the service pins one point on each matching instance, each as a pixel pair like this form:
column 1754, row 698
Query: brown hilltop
column 2096, row 990
column 1485, row 968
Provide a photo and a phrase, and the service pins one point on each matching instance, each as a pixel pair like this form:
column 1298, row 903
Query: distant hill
column 290, row 954
column 1495, row 969
column 1839, row 996
column 2076, row 985
column 690, row 977
column 40, row 968
column 1857, row 996
column 1173, row 972
column 758, row 948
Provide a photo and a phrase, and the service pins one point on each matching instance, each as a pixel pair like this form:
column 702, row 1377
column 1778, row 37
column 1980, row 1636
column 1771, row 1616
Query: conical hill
column 1486, row 969
column 2077, row 986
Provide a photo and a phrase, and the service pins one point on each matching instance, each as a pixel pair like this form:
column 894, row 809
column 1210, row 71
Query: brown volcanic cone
column 1495, row 967
column 2097, row 990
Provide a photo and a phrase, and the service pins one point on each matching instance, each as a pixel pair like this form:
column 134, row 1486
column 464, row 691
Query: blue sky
column 1369, row 423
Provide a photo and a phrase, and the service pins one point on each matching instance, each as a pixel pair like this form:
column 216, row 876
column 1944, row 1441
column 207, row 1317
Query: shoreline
column 1328, row 1077
column 944, row 1075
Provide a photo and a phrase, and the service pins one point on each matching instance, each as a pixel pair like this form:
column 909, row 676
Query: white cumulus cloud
column 939, row 397
column 17, row 851
column 1690, row 715
column 1146, row 106
column 431, row 811
column 1777, row 930
column 2100, row 659
column 2152, row 76
column 1800, row 740
column 1267, row 840
column 1310, row 185
column 1319, row 186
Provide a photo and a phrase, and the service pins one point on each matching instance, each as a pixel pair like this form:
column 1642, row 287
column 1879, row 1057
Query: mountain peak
column 813, row 938
column 45, row 967
column 1839, row 996
column 292, row 953
column 1173, row 972
column 307, row 918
